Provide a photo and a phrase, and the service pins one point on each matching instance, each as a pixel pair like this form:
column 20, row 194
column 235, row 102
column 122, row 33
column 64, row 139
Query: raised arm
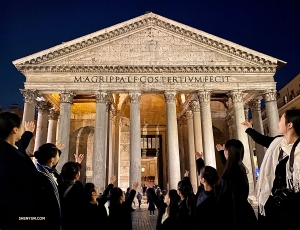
column 199, row 162
column 220, row 149
column 132, row 193
column 103, row 198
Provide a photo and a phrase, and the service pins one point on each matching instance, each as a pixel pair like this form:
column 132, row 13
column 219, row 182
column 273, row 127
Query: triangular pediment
column 148, row 40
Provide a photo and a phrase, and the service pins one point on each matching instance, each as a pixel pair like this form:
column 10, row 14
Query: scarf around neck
column 268, row 167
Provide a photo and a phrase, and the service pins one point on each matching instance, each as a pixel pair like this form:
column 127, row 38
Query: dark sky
column 271, row 27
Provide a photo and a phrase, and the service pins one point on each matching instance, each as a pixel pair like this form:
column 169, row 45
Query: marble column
column 255, row 106
column 52, row 126
column 206, row 123
column 181, row 147
column 239, row 114
column 135, row 139
column 172, row 140
column 42, row 123
column 117, row 148
column 195, row 106
column 185, row 144
column 63, row 134
column 29, row 111
column 100, row 138
column 271, row 111
column 110, row 145
column 192, row 160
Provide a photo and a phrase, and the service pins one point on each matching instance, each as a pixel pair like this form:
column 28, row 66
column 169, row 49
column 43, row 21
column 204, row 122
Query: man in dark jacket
column 26, row 137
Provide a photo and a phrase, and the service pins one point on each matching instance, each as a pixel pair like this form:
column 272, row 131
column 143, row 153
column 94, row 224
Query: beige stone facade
column 139, row 79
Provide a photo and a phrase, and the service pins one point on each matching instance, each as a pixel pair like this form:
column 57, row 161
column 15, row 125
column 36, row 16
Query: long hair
column 186, row 190
column 115, row 195
column 8, row 121
column 210, row 174
column 293, row 116
column 172, row 209
column 235, row 150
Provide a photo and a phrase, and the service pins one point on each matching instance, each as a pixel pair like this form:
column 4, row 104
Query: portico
column 148, row 76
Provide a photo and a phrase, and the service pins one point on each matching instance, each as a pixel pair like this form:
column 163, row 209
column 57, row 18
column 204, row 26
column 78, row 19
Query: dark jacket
column 206, row 202
column 120, row 214
column 151, row 206
column 20, row 189
column 234, row 210
column 171, row 221
column 71, row 204
column 95, row 215
column 260, row 138
column 24, row 141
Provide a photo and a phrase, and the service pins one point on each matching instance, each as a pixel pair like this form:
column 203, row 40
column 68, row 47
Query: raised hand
column 78, row 158
column 59, row 145
column 135, row 185
column 246, row 124
column 112, row 179
column 186, row 174
column 220, row 147
column 199, row 155
column 29, row 126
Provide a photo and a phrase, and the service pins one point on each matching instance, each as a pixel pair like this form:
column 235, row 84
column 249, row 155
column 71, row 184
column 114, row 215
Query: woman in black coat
column 19, row 181
column 47, row 156
column 151, row 206
column 167, row 209
column 120, row 209
column 234, row 210
column 95, row 214
column 206, row 199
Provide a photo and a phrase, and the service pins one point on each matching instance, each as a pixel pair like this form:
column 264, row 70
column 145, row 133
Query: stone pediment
column 148, row 41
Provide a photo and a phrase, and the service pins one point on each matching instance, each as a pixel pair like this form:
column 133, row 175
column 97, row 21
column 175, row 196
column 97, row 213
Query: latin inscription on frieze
column 151, row 79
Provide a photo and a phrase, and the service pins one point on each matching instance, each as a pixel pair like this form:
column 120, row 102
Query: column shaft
column 110, row 147
column 272, row 112
column 135, row 139
column 172, row 140
column 206, row 123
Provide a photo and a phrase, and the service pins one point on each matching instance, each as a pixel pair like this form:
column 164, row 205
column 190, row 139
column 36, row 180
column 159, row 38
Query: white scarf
column 268, row 167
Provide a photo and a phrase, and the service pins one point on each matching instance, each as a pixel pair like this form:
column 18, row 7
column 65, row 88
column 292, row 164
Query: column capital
column 195, row 106
column 43, row 106
column 67, row 96
column 189, row 114
column 204, row 96
column 29, row 95
column 135, row 97
column 53, row 115
column 255, row 105
column 237, row 96
column 101, row 96
column 270, row 95
column 170, row 96
column 182, row 120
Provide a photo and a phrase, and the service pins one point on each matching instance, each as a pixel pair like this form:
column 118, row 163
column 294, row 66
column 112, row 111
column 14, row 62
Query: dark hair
column 70, row 170
column 235, row 150
column 172, row 209
column 45, row 153
column 128, row 189
column 293, row 116
column 8, row 121
column 210, row 174
column 87, row 191
column 186, row 190
column 114, row 195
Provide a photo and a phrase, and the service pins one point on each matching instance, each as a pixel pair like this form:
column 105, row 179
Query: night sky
column 271, row 27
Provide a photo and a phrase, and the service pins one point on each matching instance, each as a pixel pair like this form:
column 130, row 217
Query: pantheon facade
column 140, row 97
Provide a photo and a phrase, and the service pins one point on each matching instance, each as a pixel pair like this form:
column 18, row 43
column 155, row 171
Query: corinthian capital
column 29, row 95
column 101, row 96
column 170, row 96
column 189, row 114
column 43, row 106
column 135, row 97
column 204, row 96
column 237, row 96
column 270, row 95
column 195, row 106
column 255, row 105
column 67, row 96
column 53, row 115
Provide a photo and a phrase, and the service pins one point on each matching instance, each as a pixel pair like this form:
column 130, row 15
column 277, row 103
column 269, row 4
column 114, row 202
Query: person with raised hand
column 26, row 137
column 120, row 209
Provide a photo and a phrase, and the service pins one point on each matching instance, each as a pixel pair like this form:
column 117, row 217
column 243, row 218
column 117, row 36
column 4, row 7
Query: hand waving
column 29, row 126
column 186, row 174
column 246, row 124
column 199, row 155
column 78, row 158
column 112, row 179
column 220, row 147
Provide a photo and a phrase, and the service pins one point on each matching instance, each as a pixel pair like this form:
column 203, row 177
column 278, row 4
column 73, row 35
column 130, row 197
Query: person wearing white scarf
column 289, row 126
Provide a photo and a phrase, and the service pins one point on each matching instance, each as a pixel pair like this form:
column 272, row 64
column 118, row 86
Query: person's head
column 10, row 126
column 116, row 195
column 128, row 189
column 47, row 154
column 290, row 122
column 90, row 192
column 209, row 175
column 70, row 171
column 171, row 199
column 234, row 153
column 185, row 191
column 139, row 193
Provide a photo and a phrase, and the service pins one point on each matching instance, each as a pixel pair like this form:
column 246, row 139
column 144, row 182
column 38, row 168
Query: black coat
column 260, row 138
column 24, row 141
column 20, row 189
column 120, row 214
column 151, row 206
column 95, row 215
column 71, row 204
column 234, row 210
column 171, row 221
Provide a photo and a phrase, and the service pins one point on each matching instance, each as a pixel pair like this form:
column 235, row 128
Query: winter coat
column 151, row 206
column 260, row 138
column 24, row 141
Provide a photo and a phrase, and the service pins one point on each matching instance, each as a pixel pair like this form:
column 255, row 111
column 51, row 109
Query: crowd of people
column 220, row 202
